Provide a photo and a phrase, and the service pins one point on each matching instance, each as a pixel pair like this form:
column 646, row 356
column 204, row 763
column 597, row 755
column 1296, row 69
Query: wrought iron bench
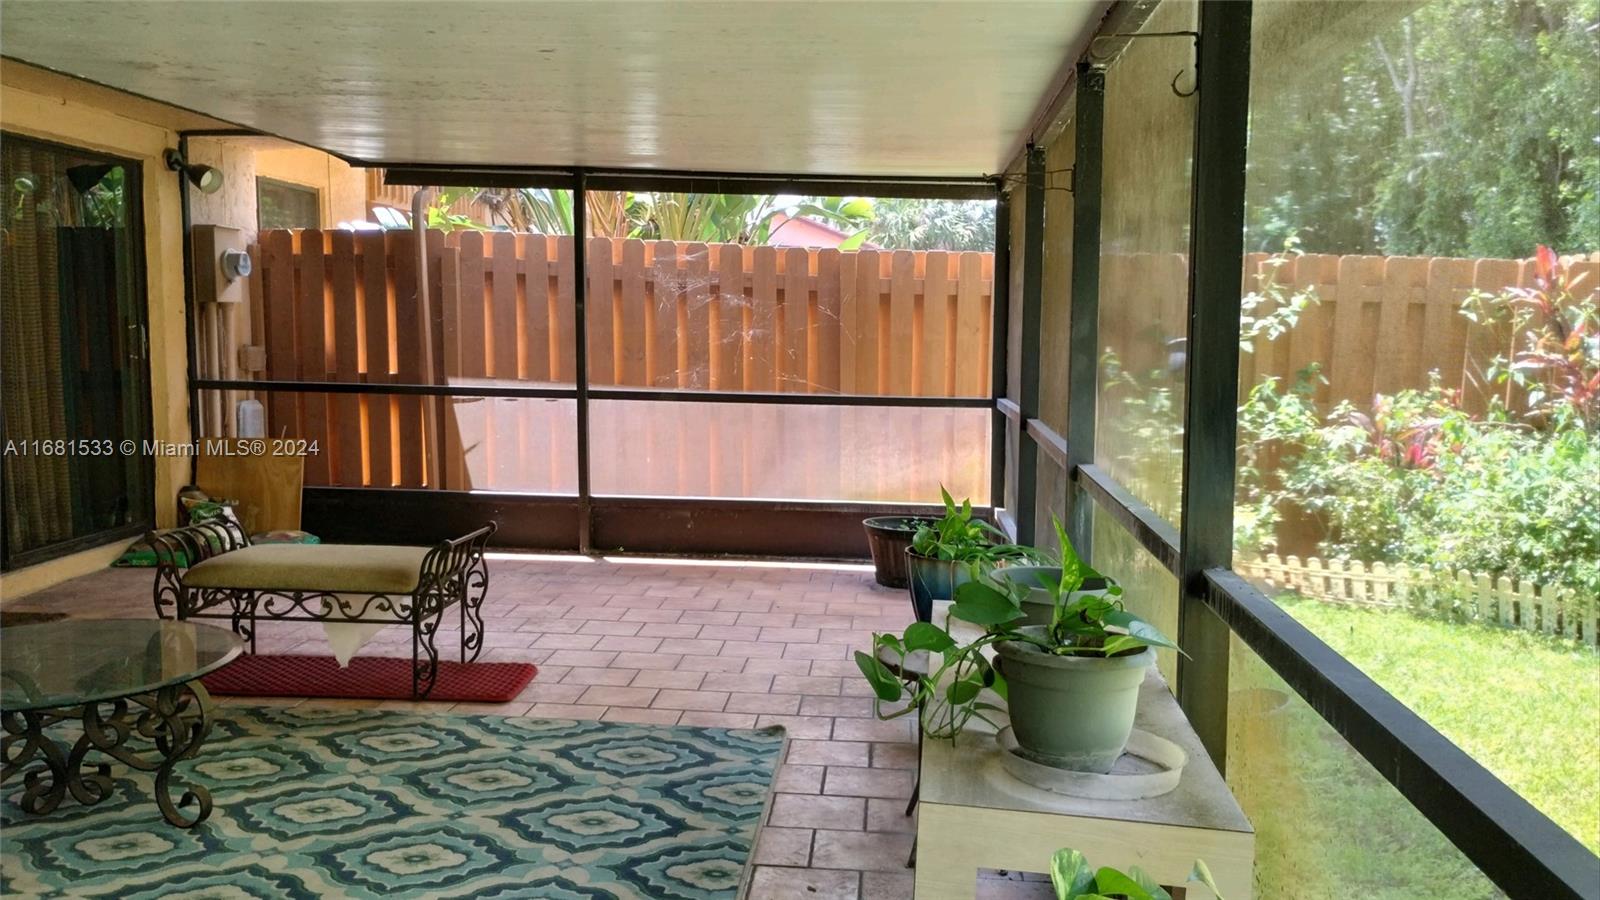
column 212, row 571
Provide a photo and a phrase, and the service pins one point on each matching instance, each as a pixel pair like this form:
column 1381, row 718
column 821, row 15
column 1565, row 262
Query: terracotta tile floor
column 693, row 643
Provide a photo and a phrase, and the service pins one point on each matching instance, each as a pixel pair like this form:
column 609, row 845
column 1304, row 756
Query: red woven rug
column 367, row 678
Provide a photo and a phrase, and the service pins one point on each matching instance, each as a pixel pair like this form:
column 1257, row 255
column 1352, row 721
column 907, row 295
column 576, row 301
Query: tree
column 1465, row 129
column 651, row 215
column 916, row 224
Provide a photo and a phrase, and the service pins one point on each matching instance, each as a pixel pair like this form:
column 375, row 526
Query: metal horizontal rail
column 595, row 393
column 777, row 399
column 1008, row 408
column 952, row 188
column 453, row 176
column 1158, row 536
column 378, row 387
column 1054, row 445
column 1514, row 844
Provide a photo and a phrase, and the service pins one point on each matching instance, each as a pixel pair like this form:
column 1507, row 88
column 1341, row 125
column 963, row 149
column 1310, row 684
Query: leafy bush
column 1418, row 480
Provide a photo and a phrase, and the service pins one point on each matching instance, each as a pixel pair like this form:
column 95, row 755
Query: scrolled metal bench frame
column 452, row 572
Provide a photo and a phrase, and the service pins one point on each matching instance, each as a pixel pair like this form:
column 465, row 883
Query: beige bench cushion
column 343, row 568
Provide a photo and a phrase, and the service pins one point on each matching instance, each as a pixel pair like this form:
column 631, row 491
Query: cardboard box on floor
column 266, row 487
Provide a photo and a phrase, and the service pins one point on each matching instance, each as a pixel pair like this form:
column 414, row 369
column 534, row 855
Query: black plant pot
column 889, row 536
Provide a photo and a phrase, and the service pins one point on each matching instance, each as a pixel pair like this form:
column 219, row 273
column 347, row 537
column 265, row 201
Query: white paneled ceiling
column 867, row 87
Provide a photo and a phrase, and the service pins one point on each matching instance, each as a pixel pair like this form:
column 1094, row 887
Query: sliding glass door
column 74, row 378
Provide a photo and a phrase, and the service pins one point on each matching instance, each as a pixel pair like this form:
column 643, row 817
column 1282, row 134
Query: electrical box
column 221, row 264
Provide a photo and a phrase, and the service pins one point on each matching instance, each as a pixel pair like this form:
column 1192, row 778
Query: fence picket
column 344, row 308
column 311, row 323
column 1355, row 326
column 695, row 317
column 536, row 306
column 828, row 336
column 665, row 370
column 408, row 358
column 938, row 335
column 973, row 298
column 794, row 314
column 453, row 469
column 727, row 319
column 632, row 318
column 277, row 283
column 1400, row 311
column 377, row 340
column 760, row 364
column 849, row 313
column 601, row 313
column 501, row 298
column 868, row 328
column 475, row 306
column 1487, row 342
column 902, row 338
column 1444, row 329
column 563, row 306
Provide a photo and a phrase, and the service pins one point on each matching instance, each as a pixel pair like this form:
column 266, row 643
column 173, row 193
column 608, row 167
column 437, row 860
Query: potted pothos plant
column 1040, row 579
column 1071, row 687
column 1074, row 879
column 952, row 550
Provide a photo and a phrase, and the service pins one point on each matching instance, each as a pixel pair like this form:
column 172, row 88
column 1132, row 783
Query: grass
column 1524, row 705
column 1328, row 825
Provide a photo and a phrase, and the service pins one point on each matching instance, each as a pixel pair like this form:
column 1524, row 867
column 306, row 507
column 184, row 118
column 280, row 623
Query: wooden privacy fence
column 1380, row 325
column 342, row 306
column 1489, row 599
column 1385, row 322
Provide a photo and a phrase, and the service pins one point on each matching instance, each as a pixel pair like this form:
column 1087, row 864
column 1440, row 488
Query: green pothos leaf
column 884, row 684
column 927, row 636
column 1202, row 874
column 1070, row 875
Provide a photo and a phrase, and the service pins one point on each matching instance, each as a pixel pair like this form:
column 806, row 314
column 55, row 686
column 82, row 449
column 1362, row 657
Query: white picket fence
column 1487, row 598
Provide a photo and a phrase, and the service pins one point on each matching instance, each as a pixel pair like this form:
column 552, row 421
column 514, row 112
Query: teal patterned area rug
column 365, row 803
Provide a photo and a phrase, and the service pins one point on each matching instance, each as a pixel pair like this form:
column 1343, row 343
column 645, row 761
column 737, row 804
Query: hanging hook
column 1192, row 91
column 1095, row 57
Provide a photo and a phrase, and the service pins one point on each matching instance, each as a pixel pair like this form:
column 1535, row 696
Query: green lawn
column 1526, row 706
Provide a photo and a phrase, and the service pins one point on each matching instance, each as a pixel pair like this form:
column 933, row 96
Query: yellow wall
column 343, row 190
column 39, row 104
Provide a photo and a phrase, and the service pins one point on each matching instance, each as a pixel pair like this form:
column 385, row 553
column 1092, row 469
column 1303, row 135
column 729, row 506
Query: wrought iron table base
column 175, row 719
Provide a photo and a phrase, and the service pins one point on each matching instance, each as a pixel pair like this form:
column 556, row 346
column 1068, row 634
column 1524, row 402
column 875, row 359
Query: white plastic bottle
column 252, row 419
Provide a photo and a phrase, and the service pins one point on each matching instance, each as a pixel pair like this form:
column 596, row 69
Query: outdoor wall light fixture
column 208, row 179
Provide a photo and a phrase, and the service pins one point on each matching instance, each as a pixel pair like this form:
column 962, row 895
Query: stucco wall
column 342, row 189
column 234, row 204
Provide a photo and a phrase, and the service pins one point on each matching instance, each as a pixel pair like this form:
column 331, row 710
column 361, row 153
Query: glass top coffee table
column 133, row 684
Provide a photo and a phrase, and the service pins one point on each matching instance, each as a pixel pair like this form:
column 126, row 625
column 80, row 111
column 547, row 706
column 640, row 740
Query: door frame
column 133, row 192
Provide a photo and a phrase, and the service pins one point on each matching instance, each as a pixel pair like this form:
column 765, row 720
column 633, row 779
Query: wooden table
column 973, row 815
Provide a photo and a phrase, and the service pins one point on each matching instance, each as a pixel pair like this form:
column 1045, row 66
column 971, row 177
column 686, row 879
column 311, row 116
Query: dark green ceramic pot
column 933, row 579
